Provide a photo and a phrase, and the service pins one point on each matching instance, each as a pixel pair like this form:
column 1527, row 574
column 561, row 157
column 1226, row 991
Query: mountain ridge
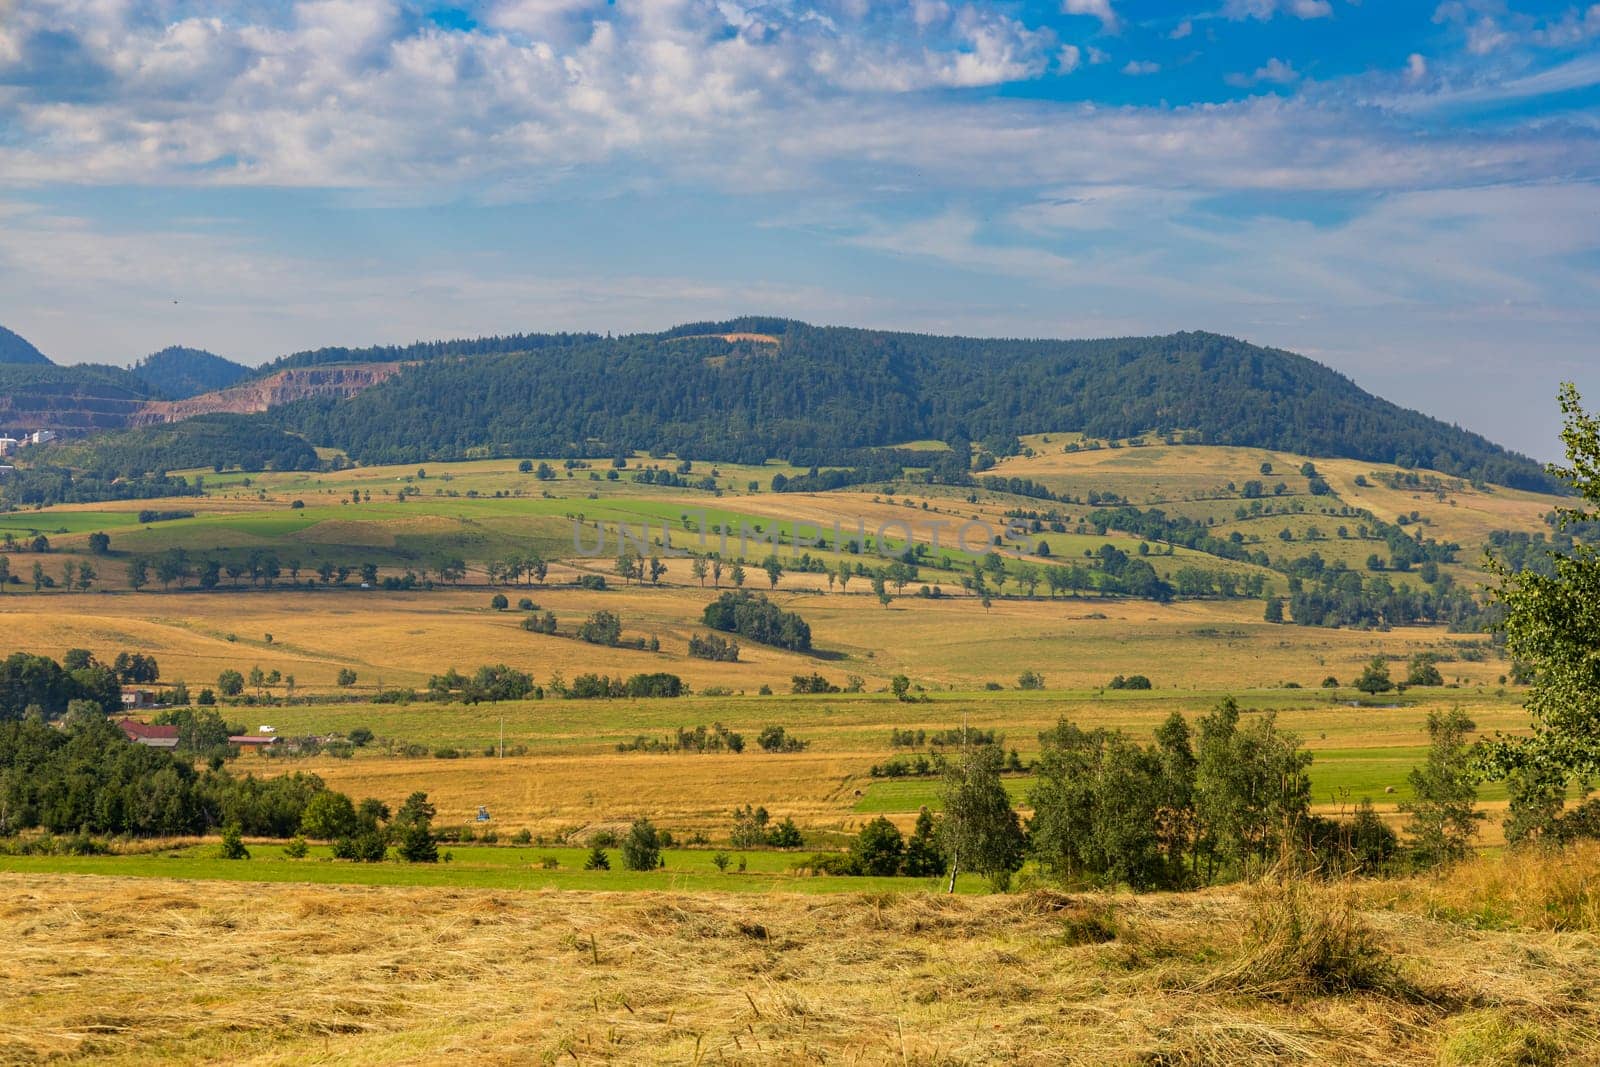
column 827, row 393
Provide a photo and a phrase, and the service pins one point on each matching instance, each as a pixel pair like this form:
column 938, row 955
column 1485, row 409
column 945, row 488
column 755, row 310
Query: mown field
column 1492, row 964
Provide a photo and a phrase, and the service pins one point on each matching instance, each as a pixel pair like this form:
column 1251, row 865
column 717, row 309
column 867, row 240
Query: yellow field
column 118, row 970
column 402, row 638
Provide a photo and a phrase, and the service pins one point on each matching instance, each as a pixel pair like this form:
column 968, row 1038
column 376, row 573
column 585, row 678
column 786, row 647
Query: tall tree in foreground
column 1444, row 792
column 980, row 830
column 1552, row 624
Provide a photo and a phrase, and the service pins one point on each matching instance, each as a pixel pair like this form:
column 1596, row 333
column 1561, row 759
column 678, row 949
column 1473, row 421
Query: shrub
column 523, row 836
column 641, row 848
column 1030, row 680
column 879, row 848
column 499, row 602
column 1133, row 681
column 713, row 647
column 721, row 861
column 233, row 844
column 597, row 860
column 296, row 849
column 814, row 683
column 777, row 739
column 346, row 677
column 601, row 628
column 596, row 582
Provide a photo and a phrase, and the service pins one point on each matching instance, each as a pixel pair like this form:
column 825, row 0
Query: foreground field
column 1492, row 965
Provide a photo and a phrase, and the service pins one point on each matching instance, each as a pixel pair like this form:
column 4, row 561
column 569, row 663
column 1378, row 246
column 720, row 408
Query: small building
column 133, row 699
column 43, row 437
column 142, row 733
column 255, row 741
column 8, row 445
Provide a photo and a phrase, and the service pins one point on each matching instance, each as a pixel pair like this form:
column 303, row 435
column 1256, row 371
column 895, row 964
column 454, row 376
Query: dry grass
column 124, row 970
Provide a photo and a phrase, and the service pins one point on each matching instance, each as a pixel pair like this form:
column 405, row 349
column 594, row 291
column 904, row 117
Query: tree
column 641, row 848
column 1375, row 678
column 1423, row 670
column 230, row 683
column 601, row 628
column 1444, row 792
column 923, row 859
column 499, row 602
column 1274, row 613
column 698, row 569
column 329, row 815
column 736, row 576
column 100, row 544
column 5, row 572
column 233, row 844
column 138, row 574
column 879, row 849
column 1552, row 624
column 980, row 829
column 1251, row 789
column 597, row 860
column 346, row 677
column 774, row 570
column 900, row 685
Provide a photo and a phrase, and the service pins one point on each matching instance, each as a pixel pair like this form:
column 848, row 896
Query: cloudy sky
column 1409, row 192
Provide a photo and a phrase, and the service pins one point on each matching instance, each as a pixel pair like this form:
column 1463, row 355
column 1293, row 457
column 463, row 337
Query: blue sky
column 1409, row 192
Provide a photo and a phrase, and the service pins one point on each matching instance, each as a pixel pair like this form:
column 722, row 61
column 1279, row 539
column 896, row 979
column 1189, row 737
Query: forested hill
column 16, row 349
column 178, row 373
column 817, row 395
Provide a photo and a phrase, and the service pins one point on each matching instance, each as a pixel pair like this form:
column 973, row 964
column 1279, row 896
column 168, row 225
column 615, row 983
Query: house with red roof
column 142, row 733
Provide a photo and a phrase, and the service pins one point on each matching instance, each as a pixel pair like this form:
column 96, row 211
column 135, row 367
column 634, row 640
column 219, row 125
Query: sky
column 1408, row 192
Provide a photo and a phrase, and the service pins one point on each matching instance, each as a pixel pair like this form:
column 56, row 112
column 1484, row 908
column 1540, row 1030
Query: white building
column 43, row 437
column 8, row 445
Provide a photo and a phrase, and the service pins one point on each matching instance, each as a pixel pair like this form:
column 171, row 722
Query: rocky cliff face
column 263, row 393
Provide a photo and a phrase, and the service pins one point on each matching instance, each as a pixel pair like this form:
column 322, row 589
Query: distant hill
column 15, row 349
column 77, row 399
column 752, row 389
column 177, row 373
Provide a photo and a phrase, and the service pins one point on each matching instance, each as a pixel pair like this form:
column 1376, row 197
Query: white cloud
column 1140, row 67
column 1100, row 9
column 1069, row 58
column 1275, row 71
column 1266, row 9
column 1181, row 30
column 1416, row 67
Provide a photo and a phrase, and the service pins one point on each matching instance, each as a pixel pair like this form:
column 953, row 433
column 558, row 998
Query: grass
column 137, row 969
column 480, row 867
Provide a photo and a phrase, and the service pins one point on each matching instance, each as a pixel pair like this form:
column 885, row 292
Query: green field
column 482, row 867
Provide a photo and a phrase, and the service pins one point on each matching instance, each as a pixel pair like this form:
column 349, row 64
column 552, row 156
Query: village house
column 142, row 733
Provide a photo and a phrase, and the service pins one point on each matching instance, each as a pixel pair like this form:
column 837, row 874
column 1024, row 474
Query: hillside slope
column 820, row 395
column 15, row 349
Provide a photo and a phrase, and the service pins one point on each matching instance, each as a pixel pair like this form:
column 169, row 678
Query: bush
column 346, row 677
column 499, row 602
column 814, row 683
column 713, row 647
column 527, row 604
column 1133, row 681
column 721, row 861
column 233, row 844
column 296, row 849
column 601, row 628
column 777, row 739
column 1030, row 680
column 597, row 860
column 595, row 582
column 641, row 848
column 879, row 848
